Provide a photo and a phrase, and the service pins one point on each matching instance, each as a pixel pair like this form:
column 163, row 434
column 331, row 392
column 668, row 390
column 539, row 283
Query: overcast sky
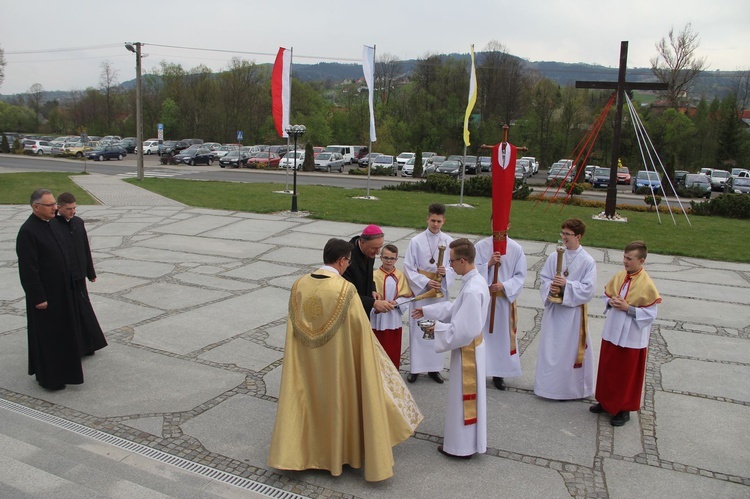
column 586, row 31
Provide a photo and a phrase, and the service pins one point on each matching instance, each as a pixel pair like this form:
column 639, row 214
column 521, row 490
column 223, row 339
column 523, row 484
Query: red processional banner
column 503, row 183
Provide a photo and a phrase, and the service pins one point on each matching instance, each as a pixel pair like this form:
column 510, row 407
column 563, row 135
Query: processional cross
column 621, row 86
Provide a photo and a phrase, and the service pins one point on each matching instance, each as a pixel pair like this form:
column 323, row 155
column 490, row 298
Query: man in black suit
column 366, row 248
column 90, row 335
column 43, row 261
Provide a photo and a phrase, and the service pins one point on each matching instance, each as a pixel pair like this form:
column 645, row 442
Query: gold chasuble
column 342, row 401
column 641, row 291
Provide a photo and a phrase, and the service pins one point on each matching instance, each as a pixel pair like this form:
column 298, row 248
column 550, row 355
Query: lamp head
column 130, row 47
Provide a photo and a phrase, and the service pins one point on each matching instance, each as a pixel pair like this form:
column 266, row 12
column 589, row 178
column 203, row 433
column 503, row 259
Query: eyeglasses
column 453, row 260
column 346, row 258
column 569, row 234
column 48, row 205
column 389, row 258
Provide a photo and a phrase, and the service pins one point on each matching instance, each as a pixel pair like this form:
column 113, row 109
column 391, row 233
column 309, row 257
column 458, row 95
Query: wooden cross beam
column 621, row 85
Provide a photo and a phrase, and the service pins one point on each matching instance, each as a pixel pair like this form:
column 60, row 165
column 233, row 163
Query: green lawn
column 708, row 237
column 16, row 188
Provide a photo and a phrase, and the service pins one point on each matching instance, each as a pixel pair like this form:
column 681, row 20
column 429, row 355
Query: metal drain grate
column 163, row 457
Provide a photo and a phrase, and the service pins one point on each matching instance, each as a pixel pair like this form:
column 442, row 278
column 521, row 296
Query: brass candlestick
column 557, row 296
column 439, row 278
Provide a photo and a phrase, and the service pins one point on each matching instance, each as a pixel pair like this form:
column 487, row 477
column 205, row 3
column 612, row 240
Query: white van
column 351, row 154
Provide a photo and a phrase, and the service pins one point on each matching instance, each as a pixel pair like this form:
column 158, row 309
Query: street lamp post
column 295, row 131
column 136, row 48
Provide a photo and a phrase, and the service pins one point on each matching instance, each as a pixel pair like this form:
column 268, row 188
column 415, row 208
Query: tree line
column 423, row 109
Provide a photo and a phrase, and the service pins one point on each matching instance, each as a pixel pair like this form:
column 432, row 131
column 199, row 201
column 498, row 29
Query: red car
column 263, row 160
column 623, row 175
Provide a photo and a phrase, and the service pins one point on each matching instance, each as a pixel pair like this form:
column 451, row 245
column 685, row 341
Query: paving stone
column 688, row 433
column 705, row 346
column 135, row 268
column 207, row 246
column 118, row 229
column 107, row 283
column 149, row 425
column 196, row 225
column 177, row 333
column 294, row 256
column 104, row 242
column 260, row 270
column 250, row 230
column 656, row 482
column 11, row 288
column 176, row 257
column 708, row 378
column 173, row 296
column 243, row 353
column 212, row 281
column 11, row 322
column 694, row 275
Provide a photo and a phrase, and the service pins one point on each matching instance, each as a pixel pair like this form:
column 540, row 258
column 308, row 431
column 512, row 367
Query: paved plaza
column 194, row 304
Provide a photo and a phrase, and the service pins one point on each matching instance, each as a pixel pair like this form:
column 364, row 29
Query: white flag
column 368, row 66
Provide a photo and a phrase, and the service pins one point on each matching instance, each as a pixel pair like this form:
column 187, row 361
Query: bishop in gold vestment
column 342, row 401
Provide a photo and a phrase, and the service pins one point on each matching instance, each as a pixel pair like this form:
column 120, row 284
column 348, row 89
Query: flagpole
column 369, row 149
column 291, row 61
column 463, row 175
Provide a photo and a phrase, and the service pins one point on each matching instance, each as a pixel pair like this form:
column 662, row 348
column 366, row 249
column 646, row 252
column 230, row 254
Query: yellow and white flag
column 472, row 98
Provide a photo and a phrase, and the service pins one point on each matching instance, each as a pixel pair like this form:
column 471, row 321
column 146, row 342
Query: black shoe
column 440, row 450
column 499, row 382
column 620, row 418
column 596, row 409
column 89, row 354
column 436, row 377
column 412, row 377
column 52, row 388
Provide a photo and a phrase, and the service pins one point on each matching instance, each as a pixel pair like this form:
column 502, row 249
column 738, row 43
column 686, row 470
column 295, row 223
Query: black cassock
column 359, row 273
column 90, row 335
column 43, row 267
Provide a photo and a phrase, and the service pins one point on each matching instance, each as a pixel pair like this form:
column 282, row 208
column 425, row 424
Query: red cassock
column 503, row 182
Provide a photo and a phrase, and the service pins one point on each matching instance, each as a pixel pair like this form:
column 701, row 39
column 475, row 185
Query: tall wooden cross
column 621, row 86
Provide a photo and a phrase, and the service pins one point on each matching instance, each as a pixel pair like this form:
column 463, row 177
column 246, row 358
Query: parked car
column 365, row 160
column 718, row 179
column 533, row 164
column 484, row 163
column 288, row 160
column 623, row 175
column 696, row 180
column 402, row 158
column 266, row 159
column 329, row 161
column 150, row 147
column 521, row 173
column 385, row 161
column 600, row 177
column 40, row 147
column 107, row 152
column 78, row 149
column 647, row 178
column 222, row 151
column 408, row 169
column 471, row 164
column 192, row 157
column 349, row 153
column 524, row 163
column 280, row 150
column 173, row 147
column 679, row 176
column 435, row 160
column 738, row 185
column 740, row 173
column 450, row 167
column 588, row 173
column 317, row 150
column 234, row 159
column 128, row 143
column 558, row 171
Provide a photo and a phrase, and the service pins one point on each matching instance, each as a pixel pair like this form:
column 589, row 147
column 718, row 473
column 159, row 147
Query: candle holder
column 557, row 296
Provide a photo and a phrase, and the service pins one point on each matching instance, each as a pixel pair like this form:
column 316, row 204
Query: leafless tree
column 387, row 70
column 501, row 81
column 677, row 63
column 110, row 88
column 740, row 87
column 36, row 94
column 2, row 66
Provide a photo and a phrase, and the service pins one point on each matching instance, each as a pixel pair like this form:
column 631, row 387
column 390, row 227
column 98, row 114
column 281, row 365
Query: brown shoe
column 436, row 377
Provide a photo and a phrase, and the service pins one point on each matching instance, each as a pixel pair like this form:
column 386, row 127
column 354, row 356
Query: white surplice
column 556, row 378
column 422, row 248
column 458, row 324
column 512, row 274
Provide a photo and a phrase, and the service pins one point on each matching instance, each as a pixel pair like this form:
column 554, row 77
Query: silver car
column 329, row 161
